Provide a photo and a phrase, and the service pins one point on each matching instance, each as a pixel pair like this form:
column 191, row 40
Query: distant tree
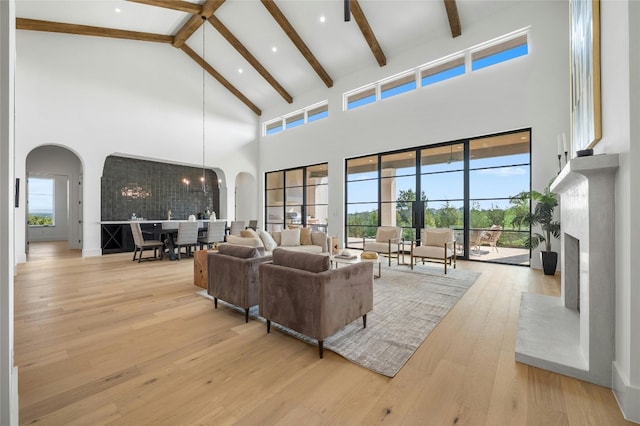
column 429, row 217
column 447, row 216
column 39, row 220
column 496, row 215
column 404, row 206
column 479, row 218
column 363, row 224
column 520, row 210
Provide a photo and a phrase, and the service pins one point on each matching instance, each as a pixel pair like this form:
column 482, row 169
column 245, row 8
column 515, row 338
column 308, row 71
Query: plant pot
column 549, row 261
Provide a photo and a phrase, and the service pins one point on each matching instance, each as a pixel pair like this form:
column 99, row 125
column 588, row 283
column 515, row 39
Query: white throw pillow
column 267, row 240
column 290, row 237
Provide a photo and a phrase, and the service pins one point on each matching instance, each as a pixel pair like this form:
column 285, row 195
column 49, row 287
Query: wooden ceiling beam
column 183, row 6
column 454, row 18
column 367, row 32
column 286, row 26
column 215, row 74
column 224, row 31
column 195, row 22
column 60, row 27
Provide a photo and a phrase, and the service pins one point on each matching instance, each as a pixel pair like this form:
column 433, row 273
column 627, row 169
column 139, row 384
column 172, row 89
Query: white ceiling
column 339, row 46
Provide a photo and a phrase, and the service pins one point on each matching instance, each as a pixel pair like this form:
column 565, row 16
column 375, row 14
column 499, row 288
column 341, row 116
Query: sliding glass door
column 464, row 185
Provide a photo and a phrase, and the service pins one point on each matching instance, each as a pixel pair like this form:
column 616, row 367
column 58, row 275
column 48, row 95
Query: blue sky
column 40, row 194
column 490, row 178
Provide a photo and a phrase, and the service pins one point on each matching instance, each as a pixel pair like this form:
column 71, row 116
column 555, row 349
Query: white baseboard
column 628, row 397
column 91, row 252
column 20, row 258
column 15, row 406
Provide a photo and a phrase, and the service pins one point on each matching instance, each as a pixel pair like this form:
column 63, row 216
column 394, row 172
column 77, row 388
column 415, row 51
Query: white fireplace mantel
column 574, row 334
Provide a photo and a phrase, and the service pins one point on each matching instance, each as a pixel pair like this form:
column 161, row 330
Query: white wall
column 98, row 96
column 8, row 371
column 530, row 91
column 620, row 42
column 65, row 168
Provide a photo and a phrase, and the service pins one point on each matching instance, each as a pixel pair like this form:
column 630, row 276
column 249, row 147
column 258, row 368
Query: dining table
column 169, row 232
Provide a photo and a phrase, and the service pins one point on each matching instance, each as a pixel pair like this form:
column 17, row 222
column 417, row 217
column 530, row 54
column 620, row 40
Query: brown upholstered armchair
column 233, row 275
column 299, row 291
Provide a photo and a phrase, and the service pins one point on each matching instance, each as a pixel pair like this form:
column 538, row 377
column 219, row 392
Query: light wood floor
column 104, row 340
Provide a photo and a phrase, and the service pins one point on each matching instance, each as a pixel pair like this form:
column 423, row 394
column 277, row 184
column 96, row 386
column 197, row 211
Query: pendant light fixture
column 202, row 179
column 450, row 154
column 347, row 11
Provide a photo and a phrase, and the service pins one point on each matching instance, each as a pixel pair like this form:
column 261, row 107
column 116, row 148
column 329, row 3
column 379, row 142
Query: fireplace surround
column 574, row 334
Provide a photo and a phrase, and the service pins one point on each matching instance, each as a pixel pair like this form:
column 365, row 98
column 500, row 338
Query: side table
column 200, row 273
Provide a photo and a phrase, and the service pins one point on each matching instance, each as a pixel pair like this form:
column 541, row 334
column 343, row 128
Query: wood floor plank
column 107, row 341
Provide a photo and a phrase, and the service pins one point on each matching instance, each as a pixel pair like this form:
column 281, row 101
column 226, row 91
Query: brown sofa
column 299, row 291
column 233, row 275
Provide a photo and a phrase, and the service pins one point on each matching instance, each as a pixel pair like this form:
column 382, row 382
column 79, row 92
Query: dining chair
column 253, row 224
column 215, row 234
column 187, row 237
column 142, row 244
column 236, row 227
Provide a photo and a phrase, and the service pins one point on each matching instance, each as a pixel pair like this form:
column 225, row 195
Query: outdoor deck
column 506, row 255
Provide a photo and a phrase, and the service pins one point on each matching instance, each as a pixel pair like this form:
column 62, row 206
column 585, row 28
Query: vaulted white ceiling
column 339, row 47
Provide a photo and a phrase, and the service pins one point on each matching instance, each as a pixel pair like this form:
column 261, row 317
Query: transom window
column 501, row 49
column 297, row 118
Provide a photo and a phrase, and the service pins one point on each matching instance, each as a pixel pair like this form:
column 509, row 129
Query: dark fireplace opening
column 571, row 271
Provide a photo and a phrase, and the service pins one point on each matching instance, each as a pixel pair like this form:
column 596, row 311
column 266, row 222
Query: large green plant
column 542, row 214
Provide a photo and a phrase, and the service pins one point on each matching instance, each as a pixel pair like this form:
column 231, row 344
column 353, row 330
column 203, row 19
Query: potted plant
column 542, row 215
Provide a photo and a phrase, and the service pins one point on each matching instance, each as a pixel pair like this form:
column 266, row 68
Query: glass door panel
column 499, row 168
column 442, row 186
column 397, row 189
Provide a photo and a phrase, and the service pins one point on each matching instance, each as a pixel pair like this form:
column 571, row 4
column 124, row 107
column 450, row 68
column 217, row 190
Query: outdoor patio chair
column 491, row 236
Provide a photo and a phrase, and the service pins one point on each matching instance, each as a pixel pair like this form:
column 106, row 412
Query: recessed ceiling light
column 322, row 19
column 274, row 49
column 118, row 10
column 240, row 70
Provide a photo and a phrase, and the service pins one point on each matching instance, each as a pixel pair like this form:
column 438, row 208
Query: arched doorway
column 246, row 197
column 53, row 196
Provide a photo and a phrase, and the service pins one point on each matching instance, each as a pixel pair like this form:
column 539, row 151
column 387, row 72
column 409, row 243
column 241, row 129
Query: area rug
column 407, row 306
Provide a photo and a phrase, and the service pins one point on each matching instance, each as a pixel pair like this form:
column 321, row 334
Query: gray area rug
column 407, row 306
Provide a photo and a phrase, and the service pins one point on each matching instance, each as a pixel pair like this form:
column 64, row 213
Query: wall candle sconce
column 559, row 154
column 562, row 147
column 186, row 183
